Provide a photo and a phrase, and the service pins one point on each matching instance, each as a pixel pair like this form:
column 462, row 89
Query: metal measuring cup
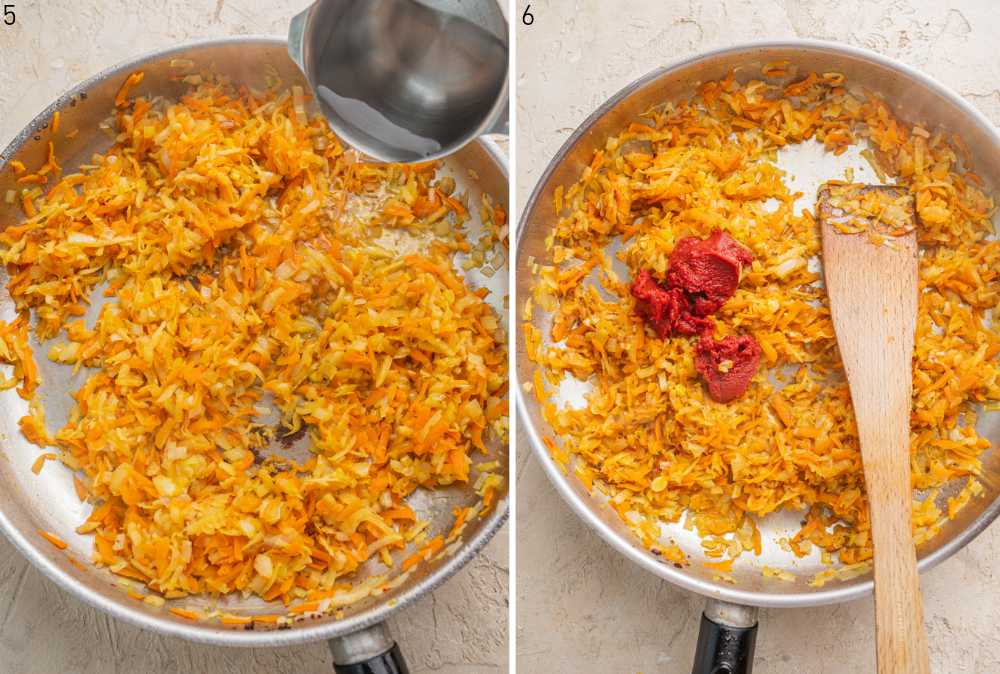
column 405, row 80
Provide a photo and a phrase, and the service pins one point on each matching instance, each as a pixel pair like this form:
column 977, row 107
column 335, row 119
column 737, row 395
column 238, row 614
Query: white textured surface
column 581, row 604
column 461, row 628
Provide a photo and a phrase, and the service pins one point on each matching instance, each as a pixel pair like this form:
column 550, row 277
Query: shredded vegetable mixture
column 648, row 434
column 251, row 271
column 880, row 212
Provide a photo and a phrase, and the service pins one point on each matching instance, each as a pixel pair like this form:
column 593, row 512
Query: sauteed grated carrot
column 240, row 245
column 648, row 436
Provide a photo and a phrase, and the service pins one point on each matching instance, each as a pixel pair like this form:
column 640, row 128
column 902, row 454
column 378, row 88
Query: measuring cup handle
column 296, row 38
column 726, row 640
column 367, row 651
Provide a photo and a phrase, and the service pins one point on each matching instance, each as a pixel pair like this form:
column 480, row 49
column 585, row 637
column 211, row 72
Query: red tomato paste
column 708, row 270
column 727, row 365
column 667, row 310
column 702, row 275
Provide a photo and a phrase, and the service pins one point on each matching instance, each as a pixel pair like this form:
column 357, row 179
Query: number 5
column 8, row 15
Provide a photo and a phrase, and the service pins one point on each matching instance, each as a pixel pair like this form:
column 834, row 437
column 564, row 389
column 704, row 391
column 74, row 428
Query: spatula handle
column 901, row 642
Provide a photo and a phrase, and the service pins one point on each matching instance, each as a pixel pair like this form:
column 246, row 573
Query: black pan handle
column 390, row 662
column 368, row 651
column 726, row 640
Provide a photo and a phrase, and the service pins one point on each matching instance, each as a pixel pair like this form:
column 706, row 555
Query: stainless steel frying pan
column 728, row 626
column 47, row 501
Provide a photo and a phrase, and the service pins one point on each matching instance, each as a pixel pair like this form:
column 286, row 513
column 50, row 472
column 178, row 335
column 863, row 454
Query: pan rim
column 586, row 508
column 206, row 632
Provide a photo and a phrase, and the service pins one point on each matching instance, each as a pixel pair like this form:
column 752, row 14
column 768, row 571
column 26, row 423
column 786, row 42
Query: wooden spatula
column 871, row 280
